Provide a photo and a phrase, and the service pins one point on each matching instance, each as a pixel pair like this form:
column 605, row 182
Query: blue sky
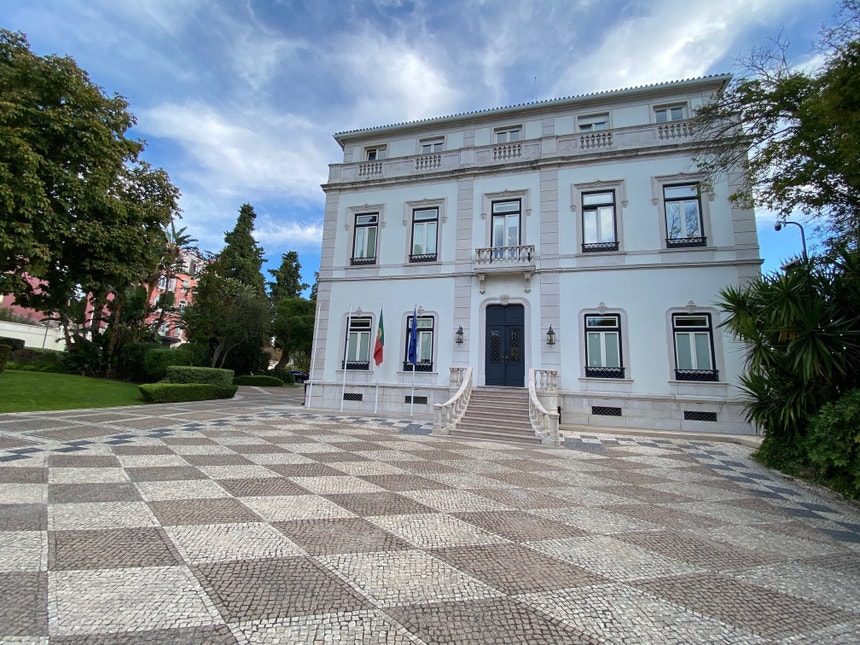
column 237, row 99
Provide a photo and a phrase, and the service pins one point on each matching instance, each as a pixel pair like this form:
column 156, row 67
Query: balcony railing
column 633, row 138
column 360, row 261
column 685, row 242
column 599, row 247
column 697, row 375
column 604, row 372
column 516, row 256
column 422, row 257
column 425, row 366
column 355, row 365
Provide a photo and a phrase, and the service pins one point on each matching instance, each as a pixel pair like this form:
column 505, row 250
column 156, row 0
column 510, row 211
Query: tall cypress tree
column 242, row 257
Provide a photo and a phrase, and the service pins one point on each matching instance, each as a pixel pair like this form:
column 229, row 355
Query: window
column 593, row 122
column 376, row 153
column 182, row 305
column 506, row 224
column 162, row 283
column 694, row 347
column 358, row 344
column 423, row 345
column 424, row 226
column 508, row 135
column 603, row 346
column 598, row 222
column 670, row 113
column 683, row 216
column 364, row 242
column 429, row 146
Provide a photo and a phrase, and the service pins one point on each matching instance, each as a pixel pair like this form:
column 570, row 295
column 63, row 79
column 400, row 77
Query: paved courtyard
column 256, row 521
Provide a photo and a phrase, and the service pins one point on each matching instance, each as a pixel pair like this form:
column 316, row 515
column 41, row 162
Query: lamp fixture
column 458, row 335
column 550, row 336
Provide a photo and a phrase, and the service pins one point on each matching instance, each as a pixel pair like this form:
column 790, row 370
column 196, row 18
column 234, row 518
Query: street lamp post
column 778, row 227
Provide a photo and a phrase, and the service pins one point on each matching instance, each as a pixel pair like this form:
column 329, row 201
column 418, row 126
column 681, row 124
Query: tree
column 81, row 213
column 288, row 279
column 794, row 135
column 242, row 258
column 293, row 329
column 801, row 333
column 227, row 314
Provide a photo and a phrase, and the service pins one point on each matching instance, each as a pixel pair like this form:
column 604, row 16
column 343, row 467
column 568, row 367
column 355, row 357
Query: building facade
column 571, row 235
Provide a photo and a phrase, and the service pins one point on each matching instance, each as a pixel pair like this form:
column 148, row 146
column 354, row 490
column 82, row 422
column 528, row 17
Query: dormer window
column 375, row 153
column 667, row 113
column 593, row 122
column 429, row 146
column 509, row 134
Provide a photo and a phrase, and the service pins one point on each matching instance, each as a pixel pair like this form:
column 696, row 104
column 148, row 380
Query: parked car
column 298, row 375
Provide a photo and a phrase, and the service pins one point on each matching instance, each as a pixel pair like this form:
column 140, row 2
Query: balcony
column 497, row 260
column 636, row 139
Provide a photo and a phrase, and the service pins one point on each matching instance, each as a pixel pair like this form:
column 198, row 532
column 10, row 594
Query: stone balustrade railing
column 544, row 423
column 448, row 414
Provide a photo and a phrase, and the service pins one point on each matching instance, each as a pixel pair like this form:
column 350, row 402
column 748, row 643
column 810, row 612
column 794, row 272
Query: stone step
column 495, row 436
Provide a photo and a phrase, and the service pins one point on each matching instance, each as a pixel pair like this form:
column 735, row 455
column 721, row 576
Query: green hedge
column 177, row 392
column 208, row 375
column 14, row 343
column 4, row 354
column 31, row 359
column 833, row 444
column 156, row 362
column 259, row 380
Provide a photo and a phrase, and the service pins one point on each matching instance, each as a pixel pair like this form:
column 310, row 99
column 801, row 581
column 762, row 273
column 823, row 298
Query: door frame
column 526, row 341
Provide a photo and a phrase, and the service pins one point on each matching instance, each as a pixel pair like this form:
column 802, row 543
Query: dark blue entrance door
column 504, row 351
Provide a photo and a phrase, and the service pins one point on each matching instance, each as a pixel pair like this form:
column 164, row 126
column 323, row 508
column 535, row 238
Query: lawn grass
column 22, row 391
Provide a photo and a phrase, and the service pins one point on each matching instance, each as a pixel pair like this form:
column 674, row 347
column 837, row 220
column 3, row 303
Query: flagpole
column 314, row 343
column 376, row 401
column 345, row 350
column 413, row 355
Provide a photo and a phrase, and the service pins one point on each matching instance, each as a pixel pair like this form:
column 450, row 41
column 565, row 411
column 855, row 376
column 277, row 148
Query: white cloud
column 391, row 80
column 676, row 39
column 233, row 153
column 290, row 234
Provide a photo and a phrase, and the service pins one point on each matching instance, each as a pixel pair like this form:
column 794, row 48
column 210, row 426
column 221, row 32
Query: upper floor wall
column 612, row 122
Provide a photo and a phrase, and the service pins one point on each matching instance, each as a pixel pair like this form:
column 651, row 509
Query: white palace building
column 562, row 251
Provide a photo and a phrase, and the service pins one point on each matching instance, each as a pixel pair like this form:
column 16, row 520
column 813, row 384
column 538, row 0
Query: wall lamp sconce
column 550, row 336
column 458, row 335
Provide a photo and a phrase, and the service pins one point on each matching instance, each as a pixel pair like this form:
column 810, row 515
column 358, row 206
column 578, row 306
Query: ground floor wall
column 34, row 336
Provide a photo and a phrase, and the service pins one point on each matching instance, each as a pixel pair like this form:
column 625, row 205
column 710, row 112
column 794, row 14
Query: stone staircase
column 498, row 414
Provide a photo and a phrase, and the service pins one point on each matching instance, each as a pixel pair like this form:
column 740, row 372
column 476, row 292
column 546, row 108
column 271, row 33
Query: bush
column 156, row 362
column 207, row 375
column 177, row 392
column 37, row 360
column 284, row 376
column 131, row 361
column 833, row 444
column 4, row 355
column 258, row 380
column 84, row 357
column 14, row 343
column 200, row 354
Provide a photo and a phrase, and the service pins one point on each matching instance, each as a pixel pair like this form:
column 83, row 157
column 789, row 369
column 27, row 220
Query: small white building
column 566, row 239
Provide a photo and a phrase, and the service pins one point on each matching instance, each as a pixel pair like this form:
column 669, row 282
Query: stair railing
column 544, row 423
column 447, row 415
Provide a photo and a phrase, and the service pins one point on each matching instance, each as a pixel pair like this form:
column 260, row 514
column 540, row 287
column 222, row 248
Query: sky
column 238, row 99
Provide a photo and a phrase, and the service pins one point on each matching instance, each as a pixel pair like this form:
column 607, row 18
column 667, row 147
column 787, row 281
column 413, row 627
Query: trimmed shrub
column 178, row 392
column 14, row 343
column 5, row 350
column 156, row 362
column 259, row 380
column 131, row 361
column 833, row 444
column 208, row 375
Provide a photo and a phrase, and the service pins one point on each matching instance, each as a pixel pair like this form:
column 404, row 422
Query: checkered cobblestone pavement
column 255, row 521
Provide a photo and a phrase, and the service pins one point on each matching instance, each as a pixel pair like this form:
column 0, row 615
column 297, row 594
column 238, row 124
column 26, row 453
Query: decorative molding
column 602, row 307
column 691, row 306
column 482, row 287
column 504, row 299
column 527, row 276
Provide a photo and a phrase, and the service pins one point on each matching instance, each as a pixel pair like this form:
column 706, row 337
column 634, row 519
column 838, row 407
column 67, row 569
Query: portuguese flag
column 380, row 341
